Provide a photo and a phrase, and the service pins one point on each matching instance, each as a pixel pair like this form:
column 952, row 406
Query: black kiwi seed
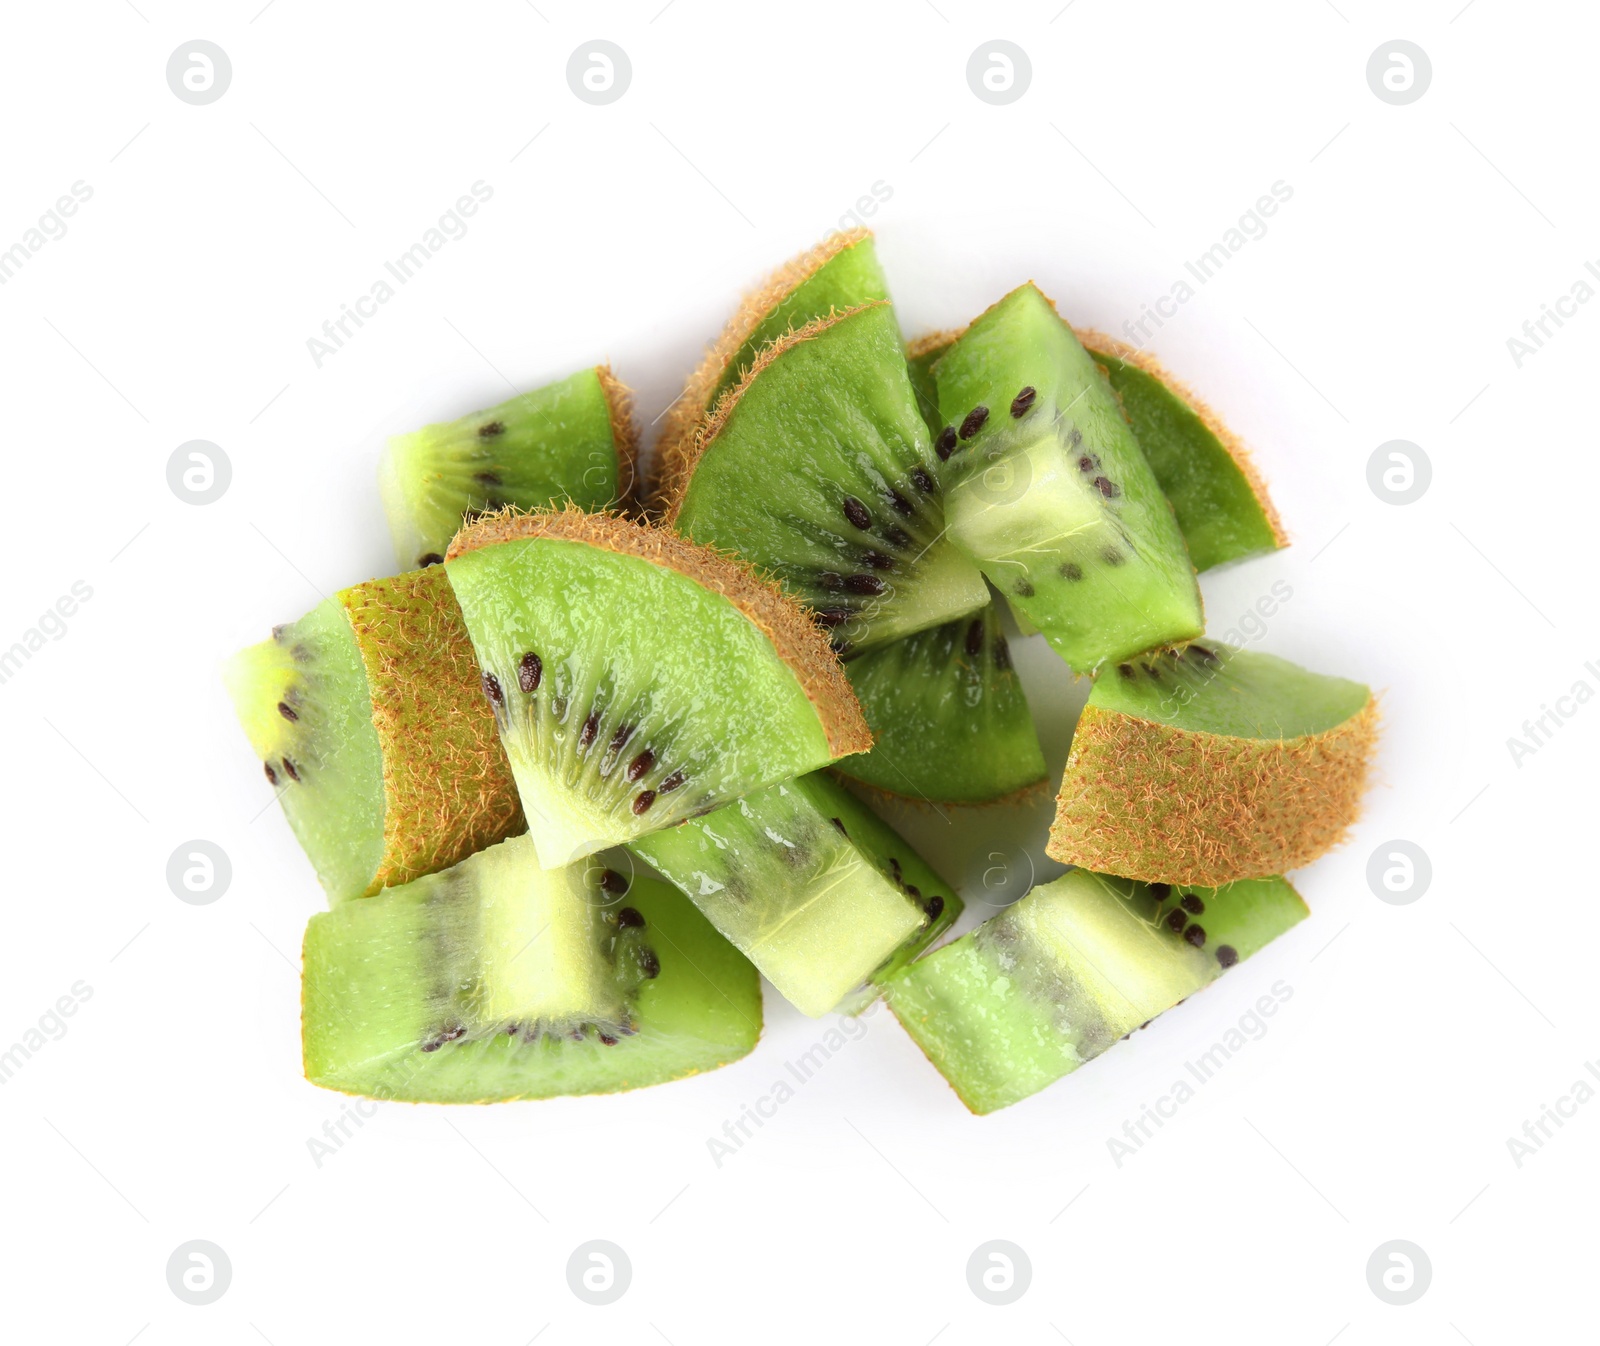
column 529, row 671
column 640, row 764
column 894, row 868
column 935, row 908
column 630, row 919
column 489, row 429
column 945, row 444
column 1107, row 487
column 491, row 688
column 1086, row 464
column 1193, row 905
column 272, row 776
column 1126, row 670
column 922, row 481
column 839, row 645
column 430, row 558
column 1227, row 955
column 672, row 782
column 1111, row 556
column 831, row 617
column 877, row 560
column 443, row 1036
column 839, row 825
column 975, row 636
column 912, row 891
column 1195, row 935
column 901, row 505
column 897, row 536
column 591, row 727
column 1002, row 653
column 1176, row 920
column 974, row 422
column 289, row 766
column 613, row 883
column 864, row 584
column 1201, row 653
column 857, row 513
column 1071, row 570
column 649, row 964
column 830, row 580
column 606, row 1040
column 619, row 740
column 643, row 800
column 1022, row 589
column 1161, row 891
column 487, row 478
column 287, row 711
column 1023, row 402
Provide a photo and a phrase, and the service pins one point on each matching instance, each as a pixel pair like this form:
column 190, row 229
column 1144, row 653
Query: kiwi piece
column 817, row 892
column 498, row 979
column 921, row 356
column 1068, row 971
column 841, row 272
column 369, row 720
column 949, row 719
column 1219, row 498
column 572, row 441
column 1046, row 488
column 637, row 678
column 1213, row 764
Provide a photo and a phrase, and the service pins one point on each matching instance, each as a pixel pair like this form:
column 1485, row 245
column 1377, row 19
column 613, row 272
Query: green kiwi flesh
column 1071, row 969
column 498, row 979
column 811, row 886
column 1047, row 489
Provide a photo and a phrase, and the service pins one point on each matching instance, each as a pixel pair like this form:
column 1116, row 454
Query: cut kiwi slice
column 1213, row 764
column 840, row 273
column 817, row 469
column 498, row 979
column 370, row 723
column 637, row 678
column 573, row 441
column 1219, row 498
column 1069, row 970
column 1048, row 491
column 921, row 356
column 815, row 890
column 949, row 719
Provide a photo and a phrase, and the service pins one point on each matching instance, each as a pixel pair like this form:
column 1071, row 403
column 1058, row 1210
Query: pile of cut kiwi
column 610, row 746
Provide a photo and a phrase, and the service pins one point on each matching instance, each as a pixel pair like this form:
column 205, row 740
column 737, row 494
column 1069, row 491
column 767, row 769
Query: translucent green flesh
column 1057, row 504
column 313, row 668
column 1216, row 508
column 948, row 715
column 1212, row 688
column 545, row 447
column 830, row 429
column 656, row 698
column 799, row 881
column 923, row 384
column 499, row 980
column 845, row 281
column 1066, row 972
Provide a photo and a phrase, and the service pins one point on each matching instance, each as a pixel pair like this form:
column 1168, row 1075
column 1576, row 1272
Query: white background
column 1377, row 306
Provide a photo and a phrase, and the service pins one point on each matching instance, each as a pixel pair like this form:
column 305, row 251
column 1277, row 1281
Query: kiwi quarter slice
column 818, row 469
column 949, row 719
column 1048, row 490
column 1213, row 764
column 841, row 272
column 637, row 678
column 815, row 890
column 1219, row 498
column 369, row 720
column 498, row 979
column 572, row 441
column 1065, row 973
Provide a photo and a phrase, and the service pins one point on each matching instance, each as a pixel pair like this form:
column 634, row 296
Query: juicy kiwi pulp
column 1048, row 491
column 572, row 441
column 818, row 893
column 949, row 718
column 1065, row 973
column 498, row 979
column 817, row 469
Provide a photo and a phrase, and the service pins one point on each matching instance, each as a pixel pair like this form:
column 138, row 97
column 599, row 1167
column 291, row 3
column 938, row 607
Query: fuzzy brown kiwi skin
column 624, row 437
column 1147, row 801
column 796, row 639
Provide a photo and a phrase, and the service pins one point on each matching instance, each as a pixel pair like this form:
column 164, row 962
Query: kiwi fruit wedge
column 637, row 678
column 1069, row 970
column 949, row 719
column 1047, row 489
column 369, row 720
column 573, row 441
column 1212, row 764
column 818, row 469
column 840, row 273
column 1219, row 498
column 499, row 979
column 811, row 886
